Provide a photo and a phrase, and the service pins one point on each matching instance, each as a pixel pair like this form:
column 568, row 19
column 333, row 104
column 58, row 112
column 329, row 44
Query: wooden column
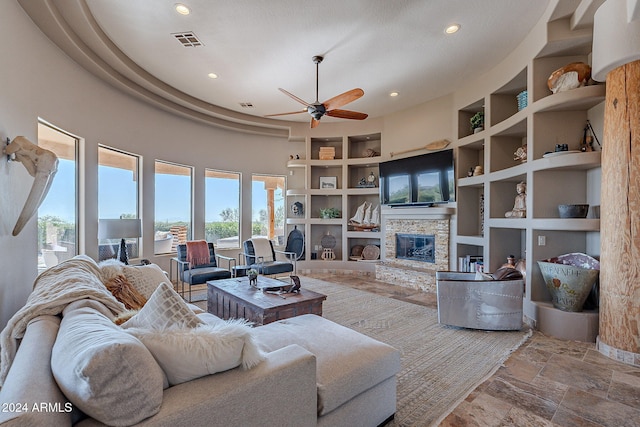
column 620, row 217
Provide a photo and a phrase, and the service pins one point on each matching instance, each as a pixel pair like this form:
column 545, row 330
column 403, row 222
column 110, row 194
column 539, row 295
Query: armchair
column 260, row 254
column 200, row 274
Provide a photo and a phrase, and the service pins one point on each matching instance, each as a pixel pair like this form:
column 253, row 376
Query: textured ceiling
column 256, row 47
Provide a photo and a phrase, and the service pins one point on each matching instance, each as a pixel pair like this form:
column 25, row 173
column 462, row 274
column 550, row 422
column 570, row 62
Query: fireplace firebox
column 416, row 247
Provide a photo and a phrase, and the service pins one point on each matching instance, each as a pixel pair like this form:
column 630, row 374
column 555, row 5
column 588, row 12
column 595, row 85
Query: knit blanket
column 57, row 287
column 198, row 253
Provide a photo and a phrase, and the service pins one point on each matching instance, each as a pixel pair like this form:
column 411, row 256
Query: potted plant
column 253, row 276
column 477, row 122
column 329, row 213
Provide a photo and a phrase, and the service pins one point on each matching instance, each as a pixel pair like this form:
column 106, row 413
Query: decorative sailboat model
column 366, row 219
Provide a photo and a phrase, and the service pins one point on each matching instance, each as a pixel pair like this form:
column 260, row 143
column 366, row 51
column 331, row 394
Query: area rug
column 441, row 364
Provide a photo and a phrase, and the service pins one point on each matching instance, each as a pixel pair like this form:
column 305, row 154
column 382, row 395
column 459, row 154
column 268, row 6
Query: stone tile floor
column 546, row 382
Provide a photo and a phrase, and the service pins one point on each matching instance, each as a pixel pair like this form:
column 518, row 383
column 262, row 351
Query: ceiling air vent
column 246, row 104
column 188, row 39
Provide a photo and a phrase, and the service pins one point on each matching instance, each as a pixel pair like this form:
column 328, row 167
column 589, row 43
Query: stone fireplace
column 416, row 246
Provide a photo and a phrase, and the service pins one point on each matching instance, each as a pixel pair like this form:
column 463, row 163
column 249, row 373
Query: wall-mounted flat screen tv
column 422, row 180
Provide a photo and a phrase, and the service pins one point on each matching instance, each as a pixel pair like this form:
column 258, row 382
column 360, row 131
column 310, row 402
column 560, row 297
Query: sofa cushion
column 348, row 362
column 164, row 309
column 145, row 278
column 105, row 372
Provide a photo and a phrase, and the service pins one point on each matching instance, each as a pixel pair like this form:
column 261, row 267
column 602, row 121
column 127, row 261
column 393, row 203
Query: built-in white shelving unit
column 547, row 120
column 353, row 161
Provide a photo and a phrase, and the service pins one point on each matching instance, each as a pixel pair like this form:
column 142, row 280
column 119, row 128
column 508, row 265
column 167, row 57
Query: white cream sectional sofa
column 71, row 365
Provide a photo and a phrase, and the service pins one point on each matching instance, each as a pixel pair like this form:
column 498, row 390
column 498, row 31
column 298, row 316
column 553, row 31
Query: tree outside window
column 222, row 208
column 267, row 207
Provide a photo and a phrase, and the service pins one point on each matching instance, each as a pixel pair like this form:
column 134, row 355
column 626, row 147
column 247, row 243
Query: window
column 173, row 208
column 58, row 213
column 267, row 207
column 222, row 208
column 118, row 195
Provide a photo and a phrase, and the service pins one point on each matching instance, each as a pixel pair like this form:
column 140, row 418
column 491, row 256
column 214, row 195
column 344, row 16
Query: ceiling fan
column 329, row 107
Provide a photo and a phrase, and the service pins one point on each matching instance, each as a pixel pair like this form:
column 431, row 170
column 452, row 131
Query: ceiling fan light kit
column 330, row 107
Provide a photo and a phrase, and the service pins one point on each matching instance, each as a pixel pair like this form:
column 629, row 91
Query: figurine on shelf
column 520, row 205
column 297, row 209
column 521, row 154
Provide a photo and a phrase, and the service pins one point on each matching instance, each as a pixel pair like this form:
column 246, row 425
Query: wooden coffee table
column 235, row 299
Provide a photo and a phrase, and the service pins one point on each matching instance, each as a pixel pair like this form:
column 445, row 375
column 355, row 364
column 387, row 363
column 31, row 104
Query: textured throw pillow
column 189, row 353
column 103, row 371
column 145, row 278
column 164, row 309
column 124, row 292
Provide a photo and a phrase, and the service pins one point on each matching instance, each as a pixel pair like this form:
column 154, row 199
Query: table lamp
column 120, row 228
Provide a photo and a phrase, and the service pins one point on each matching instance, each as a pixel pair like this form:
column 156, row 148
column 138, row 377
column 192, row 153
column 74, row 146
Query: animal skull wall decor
column 42, row 165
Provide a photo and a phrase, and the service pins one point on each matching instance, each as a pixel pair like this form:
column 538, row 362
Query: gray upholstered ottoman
column 356, row 375
column 479, row 304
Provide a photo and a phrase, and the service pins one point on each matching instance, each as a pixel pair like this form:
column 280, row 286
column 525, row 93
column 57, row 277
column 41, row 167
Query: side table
column 240, row 270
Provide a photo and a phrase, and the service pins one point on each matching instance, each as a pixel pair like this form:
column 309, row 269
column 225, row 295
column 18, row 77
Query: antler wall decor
column 42, row 165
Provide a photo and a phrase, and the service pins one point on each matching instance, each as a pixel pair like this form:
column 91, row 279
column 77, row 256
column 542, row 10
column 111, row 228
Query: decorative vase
column 569, row 279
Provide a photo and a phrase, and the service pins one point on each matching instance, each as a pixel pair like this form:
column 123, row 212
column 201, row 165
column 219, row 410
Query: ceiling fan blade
column 314, row 123
column 343, row 99
column 289, row 94
column 284, row 114
column 346, row 114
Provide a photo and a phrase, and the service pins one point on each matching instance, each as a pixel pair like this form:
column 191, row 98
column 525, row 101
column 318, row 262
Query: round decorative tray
column 328, row 241
column 356, row 250
column 370, row 252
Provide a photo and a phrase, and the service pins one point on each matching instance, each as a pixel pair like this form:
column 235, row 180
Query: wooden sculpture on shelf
column 520, row 205
column 41, row 164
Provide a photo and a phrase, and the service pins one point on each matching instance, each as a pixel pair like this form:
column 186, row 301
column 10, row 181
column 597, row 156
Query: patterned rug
column 441, row 365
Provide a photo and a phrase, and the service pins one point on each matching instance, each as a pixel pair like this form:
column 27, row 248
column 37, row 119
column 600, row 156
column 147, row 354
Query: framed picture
column 328, row 182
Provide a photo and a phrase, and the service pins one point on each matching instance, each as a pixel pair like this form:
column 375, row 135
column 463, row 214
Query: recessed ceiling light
column 212, row 75
column 182, row 9
column 453, row 28
column 394, row 94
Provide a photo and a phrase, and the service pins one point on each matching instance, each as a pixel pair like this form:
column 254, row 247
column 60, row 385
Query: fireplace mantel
column 413, row 212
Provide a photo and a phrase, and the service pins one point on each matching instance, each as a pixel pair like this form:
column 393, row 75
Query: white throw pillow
column 189, row 353
column 145, row 278
column 188, row 346
column 164, row 309
column 103, row 371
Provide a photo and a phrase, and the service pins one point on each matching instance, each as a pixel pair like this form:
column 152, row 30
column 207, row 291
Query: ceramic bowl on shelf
column 573, row 211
